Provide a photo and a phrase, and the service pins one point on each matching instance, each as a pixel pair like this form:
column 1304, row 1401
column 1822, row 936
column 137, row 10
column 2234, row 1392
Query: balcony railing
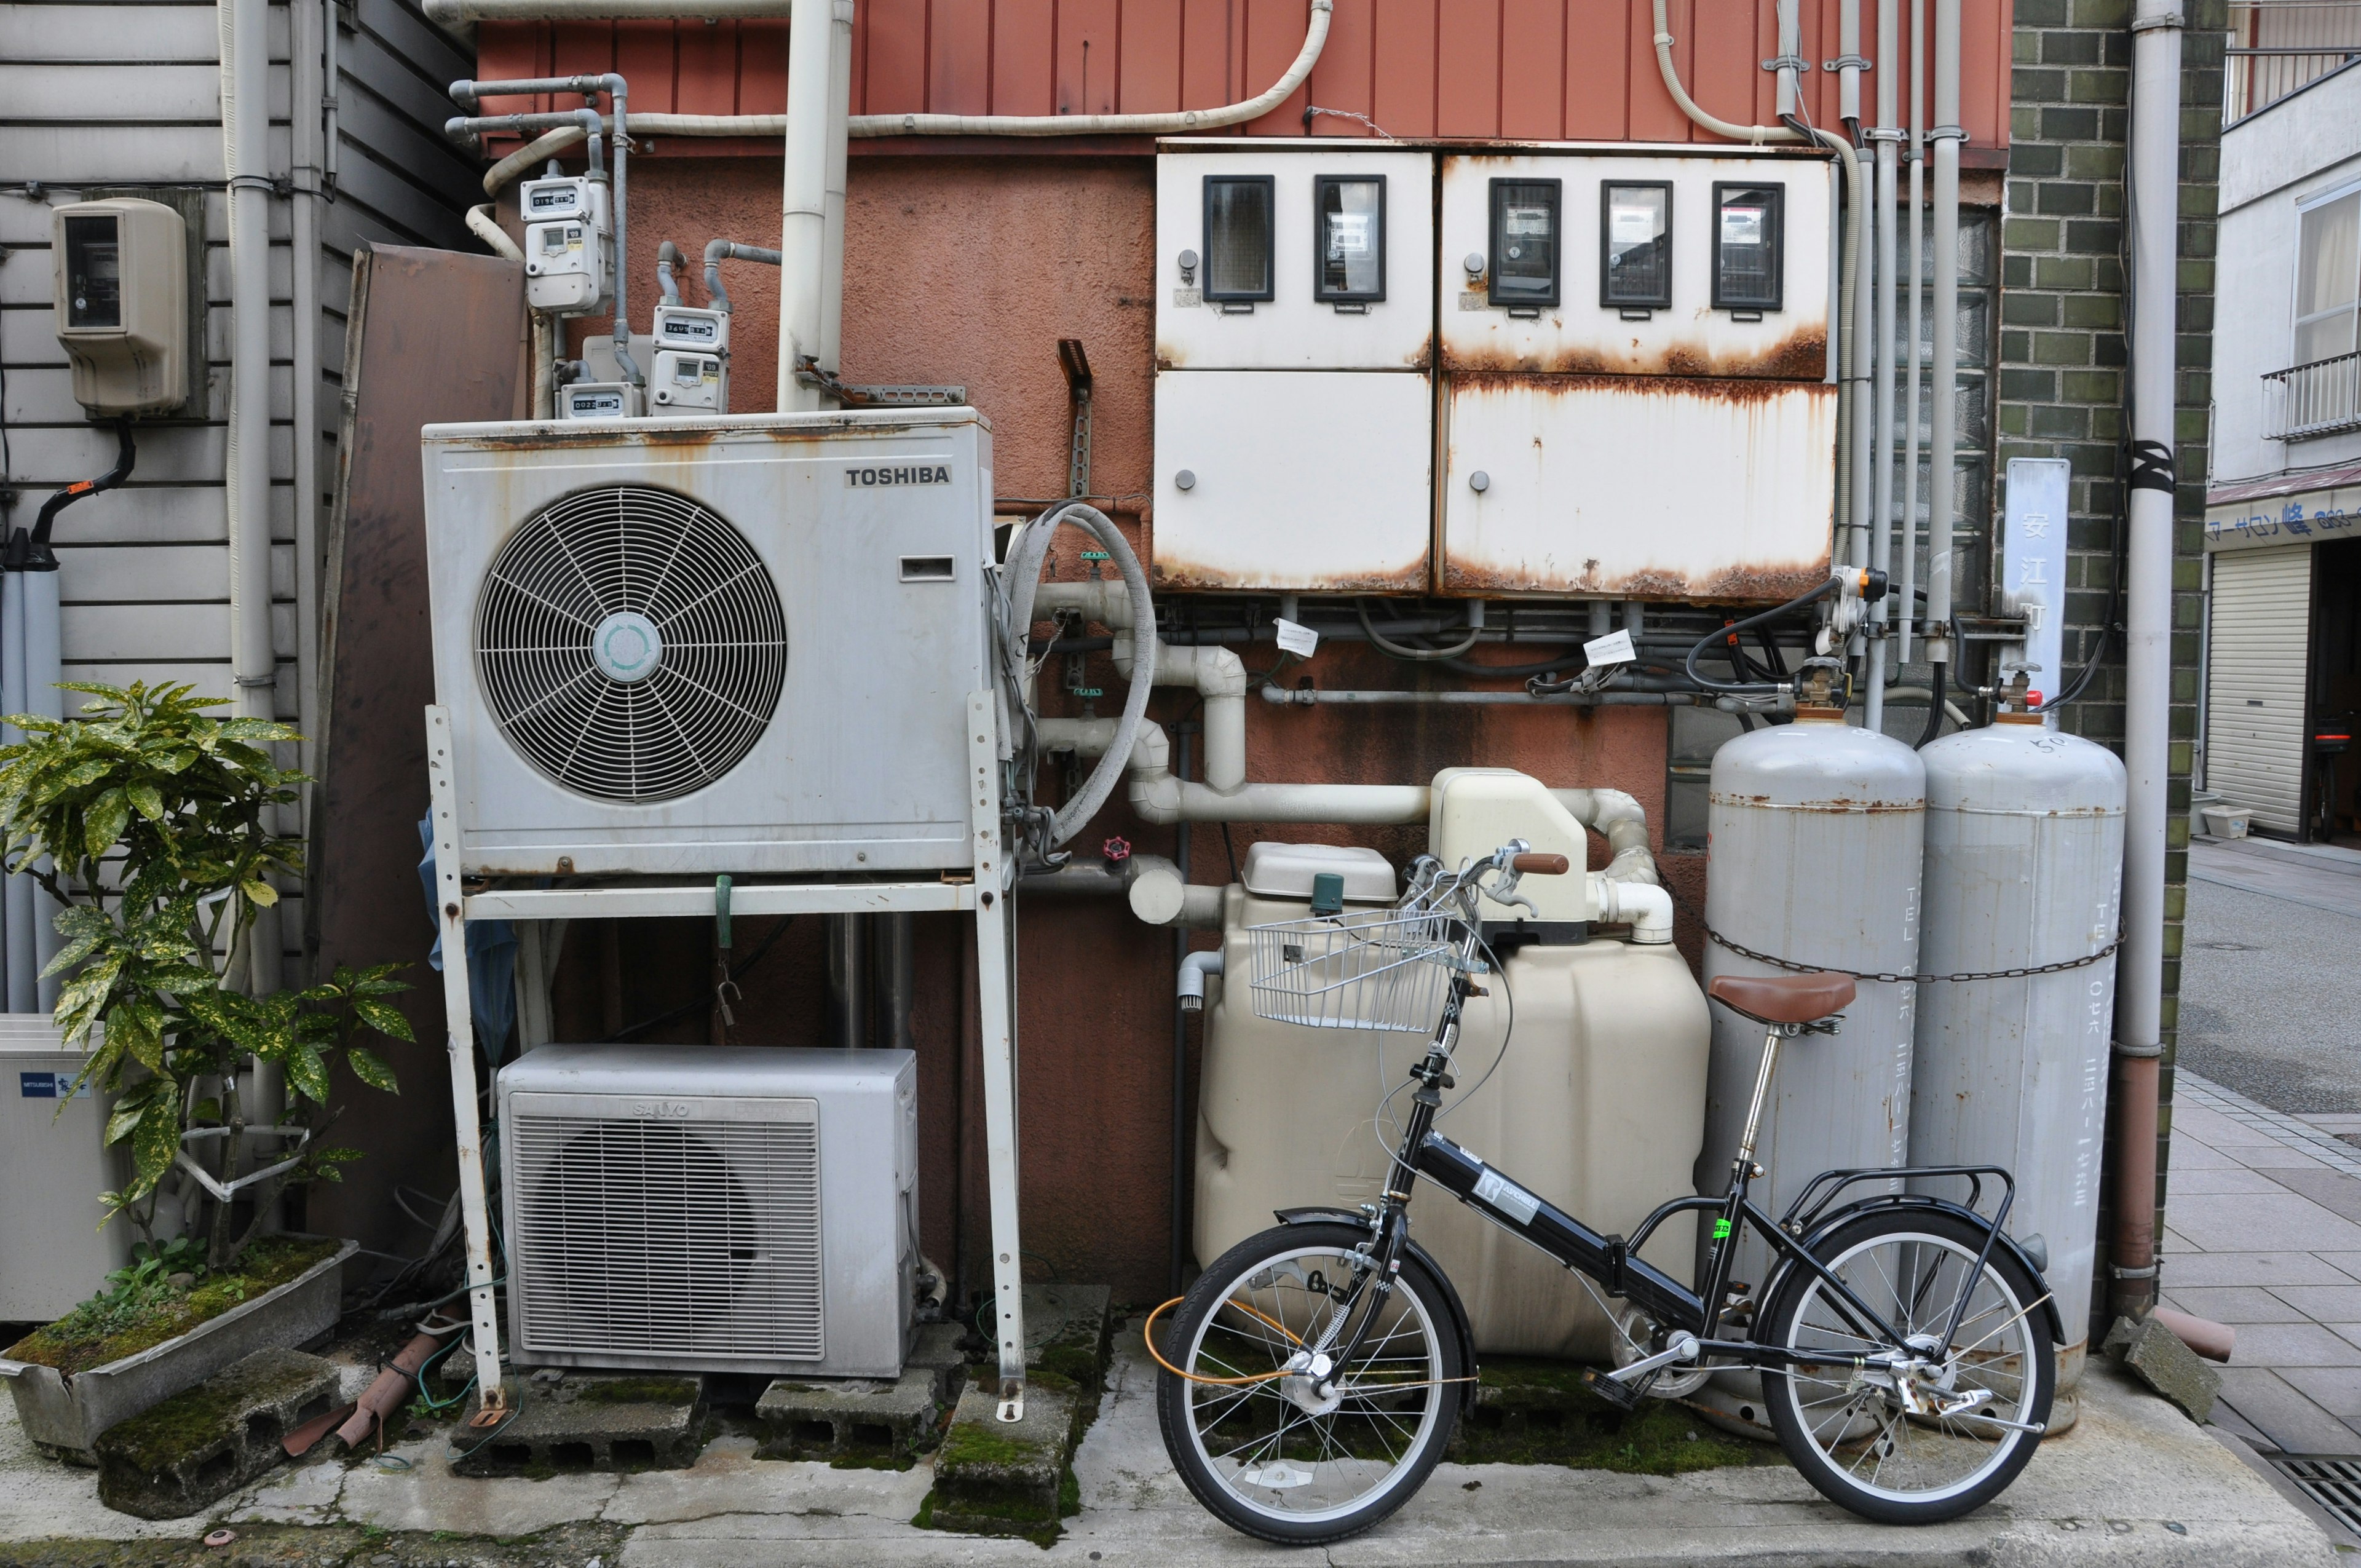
column 2318, row 399
column 2279, row 46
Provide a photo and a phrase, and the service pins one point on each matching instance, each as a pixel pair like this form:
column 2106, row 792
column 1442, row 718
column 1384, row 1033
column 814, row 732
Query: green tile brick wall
column 2062, row 380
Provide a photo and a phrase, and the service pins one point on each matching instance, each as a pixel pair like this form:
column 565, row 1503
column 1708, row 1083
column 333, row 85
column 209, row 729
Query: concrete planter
column 65, row 1414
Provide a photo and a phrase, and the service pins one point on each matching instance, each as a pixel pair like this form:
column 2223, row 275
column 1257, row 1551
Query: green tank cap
column 1328, row 893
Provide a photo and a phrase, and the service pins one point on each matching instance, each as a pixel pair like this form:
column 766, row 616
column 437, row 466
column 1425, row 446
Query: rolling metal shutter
column 2260, row 656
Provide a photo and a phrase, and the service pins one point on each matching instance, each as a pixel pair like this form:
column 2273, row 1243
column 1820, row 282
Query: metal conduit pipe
column 1909, row 596
column 1179, row 122
column 1886, row 135
column 802, row 201
column 1943, row 413
column 720, row 250
column 2152, row 207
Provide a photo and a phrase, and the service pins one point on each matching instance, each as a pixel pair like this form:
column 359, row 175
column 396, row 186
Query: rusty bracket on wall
column 1077, row 367
column 852, row 395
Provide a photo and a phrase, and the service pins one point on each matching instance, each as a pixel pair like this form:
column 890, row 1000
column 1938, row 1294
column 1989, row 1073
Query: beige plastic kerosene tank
column 1599, row 1106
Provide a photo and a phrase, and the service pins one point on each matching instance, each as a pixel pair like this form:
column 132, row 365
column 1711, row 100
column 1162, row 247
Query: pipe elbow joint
column 1189, row 986
column 1157, row 799
column 1645, row 907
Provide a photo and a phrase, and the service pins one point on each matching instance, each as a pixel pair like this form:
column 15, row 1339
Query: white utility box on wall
column 692, row 646
column 53, row 1165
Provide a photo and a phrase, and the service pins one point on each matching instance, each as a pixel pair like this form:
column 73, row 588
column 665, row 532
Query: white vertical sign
column 2033, row 563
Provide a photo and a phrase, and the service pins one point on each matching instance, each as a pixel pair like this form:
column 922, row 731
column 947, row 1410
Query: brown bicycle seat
column 1789, row 999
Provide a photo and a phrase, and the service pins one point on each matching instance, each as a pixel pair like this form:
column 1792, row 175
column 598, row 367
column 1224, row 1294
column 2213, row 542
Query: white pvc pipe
column 1889, row 22
column 1909, row 595
column 531, row 156
column 1190, row 984
column 839, row 105
column 803, row 217
column 1756, row 135
column 495, row 239
column 453, row 12
column 18, row 936
column 1645, row 907
column 1942, row 484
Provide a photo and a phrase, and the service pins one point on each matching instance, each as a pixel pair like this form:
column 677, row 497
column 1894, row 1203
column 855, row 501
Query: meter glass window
column 1239, row 237
column 1747, row 232
column 1525, row 241
column 1635, row 256
column 93, row 272
column 1350, row 223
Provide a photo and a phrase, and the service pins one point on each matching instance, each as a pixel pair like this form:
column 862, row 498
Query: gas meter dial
column 120, row 277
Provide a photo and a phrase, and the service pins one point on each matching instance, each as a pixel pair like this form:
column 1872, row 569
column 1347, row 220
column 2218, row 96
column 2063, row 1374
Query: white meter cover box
column 1690, row 337
column 1638, row 489
column 697, row 1207
column 54, row 1163
column 689, row 646
column 1295, row 329
column 1291, row 871
column 1303, row 479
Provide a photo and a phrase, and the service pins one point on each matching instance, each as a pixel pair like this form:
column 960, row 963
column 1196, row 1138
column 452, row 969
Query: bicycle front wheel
column 1269, row 1428
column 1928, row 1428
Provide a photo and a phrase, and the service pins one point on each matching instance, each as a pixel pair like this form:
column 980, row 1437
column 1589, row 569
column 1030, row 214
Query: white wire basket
column 1381, row 969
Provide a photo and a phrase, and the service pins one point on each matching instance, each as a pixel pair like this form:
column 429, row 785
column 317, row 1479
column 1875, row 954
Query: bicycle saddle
column 1788, row 999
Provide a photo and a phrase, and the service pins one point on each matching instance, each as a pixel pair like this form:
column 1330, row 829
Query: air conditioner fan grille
column 641, row 570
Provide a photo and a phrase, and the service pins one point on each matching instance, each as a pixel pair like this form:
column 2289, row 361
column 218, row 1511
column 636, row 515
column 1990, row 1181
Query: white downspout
column 803, row 223
column 1942, row 519
column 1909, row 595
column 840, row 104
column 1887, row 135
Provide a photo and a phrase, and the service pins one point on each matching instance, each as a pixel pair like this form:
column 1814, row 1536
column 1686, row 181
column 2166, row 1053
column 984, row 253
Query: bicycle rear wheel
column 1973, row 1407
column 1272, row 1444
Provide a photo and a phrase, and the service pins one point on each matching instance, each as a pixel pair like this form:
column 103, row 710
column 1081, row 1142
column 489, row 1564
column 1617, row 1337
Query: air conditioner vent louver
column 631, row 644
column 689, row 1238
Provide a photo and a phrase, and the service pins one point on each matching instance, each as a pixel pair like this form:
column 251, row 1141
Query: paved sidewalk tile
column 2350, row 1262
column 2293, row 1345
column 2210, row 1126
column 2336, row 1389
column 2289, row 1420
column 2267, row 1270
column 2256, row 1223
column 2330, row 1190
column 2229, row 1177
column 2192, row 1153
column 2321, row 1303
column 2237, row 1304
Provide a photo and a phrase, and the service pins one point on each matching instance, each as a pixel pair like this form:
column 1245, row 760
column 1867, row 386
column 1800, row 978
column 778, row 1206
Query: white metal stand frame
column 985, row 896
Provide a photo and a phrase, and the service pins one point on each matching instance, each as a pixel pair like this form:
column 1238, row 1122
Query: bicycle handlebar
column 1540, row 866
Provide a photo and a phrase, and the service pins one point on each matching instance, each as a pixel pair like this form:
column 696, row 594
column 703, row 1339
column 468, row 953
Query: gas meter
column 1748, row 241
column 569, row 250
column 121, row 293
column 599, row 400
column 1635, row 260
column 1349, row 227
column 691, row 374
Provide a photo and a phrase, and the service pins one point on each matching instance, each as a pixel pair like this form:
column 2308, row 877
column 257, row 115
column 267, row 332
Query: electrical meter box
column 600, row 399
column 1308, row 256
column 569, row 247
column 1660, row 264
column 121, row 293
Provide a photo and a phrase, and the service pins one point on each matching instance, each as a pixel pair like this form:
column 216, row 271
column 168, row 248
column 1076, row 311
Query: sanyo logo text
column 661, row 1110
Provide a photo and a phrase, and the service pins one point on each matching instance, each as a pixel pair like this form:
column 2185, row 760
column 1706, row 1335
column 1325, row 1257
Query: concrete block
column 178, row 1457
column 589, row 1420
column 1066, row 1332
column 936, row 1348
column 2157, row 1356
column 853, row 1420
column 1005, row 1478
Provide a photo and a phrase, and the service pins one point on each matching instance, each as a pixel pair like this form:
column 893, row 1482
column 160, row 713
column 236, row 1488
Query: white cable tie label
column 1506, row 1197
column 1615, row 648
column 1298, row 640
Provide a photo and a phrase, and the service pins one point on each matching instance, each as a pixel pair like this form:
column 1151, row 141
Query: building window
column 2327, row 279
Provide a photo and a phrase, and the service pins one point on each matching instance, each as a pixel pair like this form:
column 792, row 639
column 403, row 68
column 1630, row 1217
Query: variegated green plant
column 151, row 820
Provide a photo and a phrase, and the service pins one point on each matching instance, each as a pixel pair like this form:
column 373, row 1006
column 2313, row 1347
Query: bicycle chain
column 1889, row 978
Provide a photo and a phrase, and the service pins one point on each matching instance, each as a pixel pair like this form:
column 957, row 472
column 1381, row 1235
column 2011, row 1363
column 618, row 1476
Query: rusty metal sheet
column 1638, row 487
column 1581, row 336
column 434, row 335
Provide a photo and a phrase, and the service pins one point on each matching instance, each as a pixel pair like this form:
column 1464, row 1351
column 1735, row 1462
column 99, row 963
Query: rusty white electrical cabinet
column 1294, row 355
column 1639, row 400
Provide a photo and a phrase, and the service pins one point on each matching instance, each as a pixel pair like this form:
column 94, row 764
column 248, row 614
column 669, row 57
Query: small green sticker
column 1720, row 1228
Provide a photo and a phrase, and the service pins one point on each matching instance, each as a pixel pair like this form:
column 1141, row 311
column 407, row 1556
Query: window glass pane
column 1638, row 245
column 1237, row 239
column 2324, row 337
column 1525, row 241
column 1746, row 246
column 1352, row 238
column 2328, row 261
column 93, row 273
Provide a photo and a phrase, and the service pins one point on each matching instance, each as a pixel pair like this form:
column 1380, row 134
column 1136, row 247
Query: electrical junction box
column 120, row 273
column 741, row 644
column 600, row 400
column 54, row 1163
column 1474, row 811
column 1629, row 263
column 689, row 1208
column 569, row 245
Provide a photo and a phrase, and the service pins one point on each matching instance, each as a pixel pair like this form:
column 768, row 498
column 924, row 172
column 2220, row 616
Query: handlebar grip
column 1541, row 865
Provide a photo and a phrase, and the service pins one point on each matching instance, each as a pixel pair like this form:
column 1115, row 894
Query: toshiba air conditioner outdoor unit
column 737, row 645
column 697, row 1207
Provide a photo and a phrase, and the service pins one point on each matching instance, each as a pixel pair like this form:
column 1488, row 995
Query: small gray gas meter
column 569, row 245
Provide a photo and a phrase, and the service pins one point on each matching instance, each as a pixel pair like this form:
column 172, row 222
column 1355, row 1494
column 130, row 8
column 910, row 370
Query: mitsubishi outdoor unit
column 711, row 1208
column 704, row 645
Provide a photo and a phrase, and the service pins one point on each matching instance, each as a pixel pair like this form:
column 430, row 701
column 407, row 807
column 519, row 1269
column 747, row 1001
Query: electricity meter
column 599, row 400
column 1350, row 226
column 1238, row 269
column 1748, row 220
column 1635, row 246
column 687, row 382
column 568, row 244
column 120, row 273
column 1525, row 242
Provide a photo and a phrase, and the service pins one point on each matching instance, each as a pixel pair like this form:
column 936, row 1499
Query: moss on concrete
column 90, row 1337
column 638, row 1391
column 1531, row 1411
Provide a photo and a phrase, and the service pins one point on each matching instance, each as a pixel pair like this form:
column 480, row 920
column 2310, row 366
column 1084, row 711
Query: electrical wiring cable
column 1736, row 627
column 1403, row 651
column 1508, row 1031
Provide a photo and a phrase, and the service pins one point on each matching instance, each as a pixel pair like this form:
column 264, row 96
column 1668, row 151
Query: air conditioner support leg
column 443, row 800
column 995, row 998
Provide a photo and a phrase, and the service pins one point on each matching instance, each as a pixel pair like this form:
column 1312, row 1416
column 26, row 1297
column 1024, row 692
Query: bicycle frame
column 1611, row 1260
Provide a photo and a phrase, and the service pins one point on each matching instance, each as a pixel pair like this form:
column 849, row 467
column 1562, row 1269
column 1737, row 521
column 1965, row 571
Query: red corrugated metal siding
column 1519, row 70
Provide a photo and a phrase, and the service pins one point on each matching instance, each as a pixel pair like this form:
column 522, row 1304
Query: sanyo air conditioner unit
column 698, row 1208
column 728, row 644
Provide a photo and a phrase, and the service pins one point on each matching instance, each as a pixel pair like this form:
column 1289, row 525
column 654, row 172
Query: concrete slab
column 2280, row 1413
column 2238, row 1304
column 2237, row 1222
column 581, row 1421
column 2191, row 1153
column 2322, row 1303
column 2190, row 1270
column 2227, row 1176
column 851, row 1418
column 2336, row 1389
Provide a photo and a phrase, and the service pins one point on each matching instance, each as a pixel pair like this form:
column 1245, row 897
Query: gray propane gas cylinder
column 2025, row 856
column 1815, row 856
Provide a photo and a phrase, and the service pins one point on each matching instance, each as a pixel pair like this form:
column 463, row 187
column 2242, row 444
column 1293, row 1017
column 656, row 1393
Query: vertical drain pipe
column 840, row 107
column 896, row 979
column 1942, row 495
column 1917, row 316
column 803, row 222
column 2152, row 207
column 1183, row 1163
column 848, row 979
column 1886, row 135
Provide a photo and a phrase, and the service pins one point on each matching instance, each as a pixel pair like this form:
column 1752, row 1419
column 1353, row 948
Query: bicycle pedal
column 1622, row 1396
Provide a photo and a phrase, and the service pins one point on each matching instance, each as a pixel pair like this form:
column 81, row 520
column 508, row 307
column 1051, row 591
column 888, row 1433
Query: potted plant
column 152, row 822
